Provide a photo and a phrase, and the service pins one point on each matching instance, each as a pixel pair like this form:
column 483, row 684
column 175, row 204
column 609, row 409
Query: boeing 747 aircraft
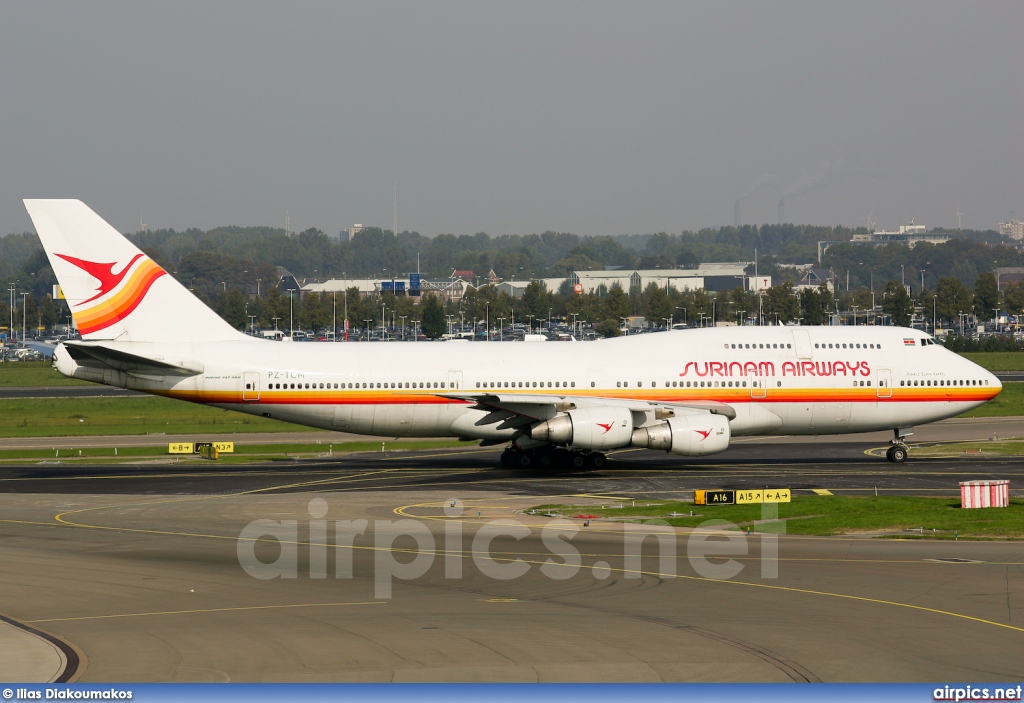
column 685, row 392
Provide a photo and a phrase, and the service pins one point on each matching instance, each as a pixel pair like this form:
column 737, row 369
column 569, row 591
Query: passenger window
column 618, row 384
column 869, row 383
column 592, row 384
column 574, row 384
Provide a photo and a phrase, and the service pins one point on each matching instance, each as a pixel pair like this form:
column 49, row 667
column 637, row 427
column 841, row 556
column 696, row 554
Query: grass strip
column 997, row 361
column 827, row 516
column 74, row 417
column 242, row 454
column 34, row 374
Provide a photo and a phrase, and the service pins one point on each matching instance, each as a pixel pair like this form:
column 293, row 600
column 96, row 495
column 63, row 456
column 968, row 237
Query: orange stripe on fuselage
column 778, row 395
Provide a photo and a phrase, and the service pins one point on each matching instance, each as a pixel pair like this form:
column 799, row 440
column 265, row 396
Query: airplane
column 684, row 392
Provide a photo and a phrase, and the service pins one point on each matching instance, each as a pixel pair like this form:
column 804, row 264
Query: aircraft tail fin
column 113, row 289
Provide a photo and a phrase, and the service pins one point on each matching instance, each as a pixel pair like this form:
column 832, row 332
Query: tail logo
column 121, row 292
column 607, row 428
column 703, row 434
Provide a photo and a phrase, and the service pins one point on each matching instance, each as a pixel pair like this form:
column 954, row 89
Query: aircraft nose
column 994, row 381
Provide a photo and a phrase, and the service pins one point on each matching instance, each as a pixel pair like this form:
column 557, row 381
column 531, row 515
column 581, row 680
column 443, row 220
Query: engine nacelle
column 689, row 435
column 588, row 428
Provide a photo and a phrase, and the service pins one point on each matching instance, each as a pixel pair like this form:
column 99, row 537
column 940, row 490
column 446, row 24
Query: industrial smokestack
column 782, row 210
column 736, row 213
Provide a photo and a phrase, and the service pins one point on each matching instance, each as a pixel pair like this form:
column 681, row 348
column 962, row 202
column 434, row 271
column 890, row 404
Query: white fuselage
column 779, row 380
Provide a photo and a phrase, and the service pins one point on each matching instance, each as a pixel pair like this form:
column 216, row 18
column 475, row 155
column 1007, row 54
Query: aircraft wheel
column 577, row 460
column 596, row 460
column 896, row 454
column 545, row 460
column 524, row 461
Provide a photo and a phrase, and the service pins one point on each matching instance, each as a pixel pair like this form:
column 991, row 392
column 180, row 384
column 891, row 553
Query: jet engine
column 588, row 428
column 689, row 435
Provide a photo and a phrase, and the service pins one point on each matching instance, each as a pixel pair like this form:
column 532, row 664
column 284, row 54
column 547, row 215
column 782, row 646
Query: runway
column 140, row 568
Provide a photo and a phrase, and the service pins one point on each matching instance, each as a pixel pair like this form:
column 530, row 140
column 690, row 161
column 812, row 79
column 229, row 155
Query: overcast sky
column 514, row 117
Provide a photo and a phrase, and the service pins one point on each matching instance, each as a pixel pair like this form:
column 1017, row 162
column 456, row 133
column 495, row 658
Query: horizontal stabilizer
column 90, row 354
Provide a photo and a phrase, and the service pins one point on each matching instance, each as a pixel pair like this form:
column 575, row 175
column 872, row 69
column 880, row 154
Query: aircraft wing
column 97, row 355
column 513, row 410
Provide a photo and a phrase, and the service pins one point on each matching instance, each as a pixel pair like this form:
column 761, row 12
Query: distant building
column 1014, row 229
column 346, row 235
column 445, row 289
column 814, row 278
column 905, row 234
column 1009, row 275
column 715, row 276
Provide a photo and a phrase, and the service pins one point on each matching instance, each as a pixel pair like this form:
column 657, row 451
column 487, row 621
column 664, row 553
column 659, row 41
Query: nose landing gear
column 898, row 452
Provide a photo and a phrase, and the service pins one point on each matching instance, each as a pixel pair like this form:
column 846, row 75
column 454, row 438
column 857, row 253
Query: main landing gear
column 552, row 457
column 897, row 453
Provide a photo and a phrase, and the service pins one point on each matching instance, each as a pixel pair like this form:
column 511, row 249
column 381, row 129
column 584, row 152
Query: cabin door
column 251, row 386
column 884, row 385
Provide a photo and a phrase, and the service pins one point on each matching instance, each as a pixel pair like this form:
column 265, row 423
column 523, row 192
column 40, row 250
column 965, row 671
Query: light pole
column 922, row 279
column 252, row 324
column 10, row 329
column 402, row 318
column 549, row 318
column 291, row 314
column 334, row 322
column 934, row 302
column 25, row 307
column 739, row 317
column 684, row 313
column 368, row 329
column 501, row 329
column 415, row 330
column 275, row 319
column 487, row 322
